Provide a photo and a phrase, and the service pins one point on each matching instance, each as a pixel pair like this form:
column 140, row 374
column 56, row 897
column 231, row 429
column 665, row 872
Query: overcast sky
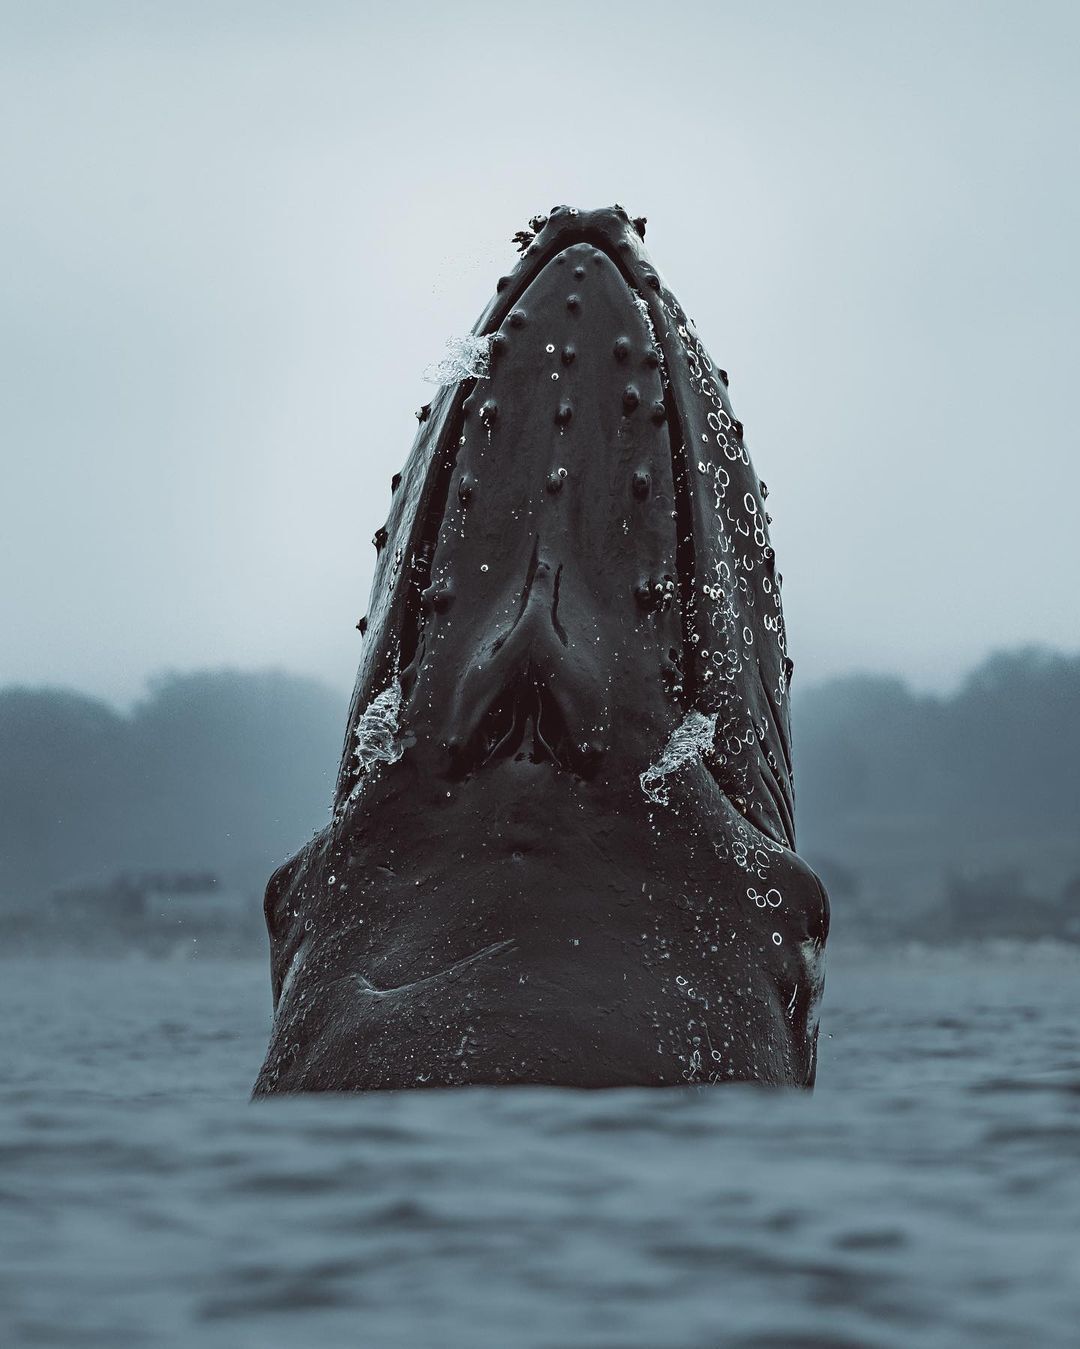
column 235, row 234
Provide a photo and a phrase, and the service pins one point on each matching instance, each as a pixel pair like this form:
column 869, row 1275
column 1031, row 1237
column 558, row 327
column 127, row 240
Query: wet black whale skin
column 576, row 559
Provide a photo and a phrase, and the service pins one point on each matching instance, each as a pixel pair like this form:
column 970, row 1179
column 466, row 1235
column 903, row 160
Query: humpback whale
column 562, row 847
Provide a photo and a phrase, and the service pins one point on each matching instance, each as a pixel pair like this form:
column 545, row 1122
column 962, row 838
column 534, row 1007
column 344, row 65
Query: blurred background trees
column 937, row 815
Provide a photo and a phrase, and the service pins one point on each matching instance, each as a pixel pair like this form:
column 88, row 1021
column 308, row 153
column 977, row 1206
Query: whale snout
column 552, row 606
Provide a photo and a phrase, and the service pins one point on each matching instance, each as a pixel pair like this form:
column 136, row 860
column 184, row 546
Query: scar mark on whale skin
column 459, row 967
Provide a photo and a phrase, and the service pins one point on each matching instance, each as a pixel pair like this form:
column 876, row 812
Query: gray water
column 928, row 1193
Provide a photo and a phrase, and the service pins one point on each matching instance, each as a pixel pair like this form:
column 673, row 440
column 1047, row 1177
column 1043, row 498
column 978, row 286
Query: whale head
column 572, row 709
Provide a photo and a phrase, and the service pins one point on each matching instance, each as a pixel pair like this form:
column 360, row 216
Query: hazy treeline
column 968, row 801
column 906, row 802
column 226, row 772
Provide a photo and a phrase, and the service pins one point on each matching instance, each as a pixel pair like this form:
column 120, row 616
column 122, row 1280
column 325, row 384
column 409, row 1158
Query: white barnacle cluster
column 690, row 740
column 466, row 357
column 376, row 736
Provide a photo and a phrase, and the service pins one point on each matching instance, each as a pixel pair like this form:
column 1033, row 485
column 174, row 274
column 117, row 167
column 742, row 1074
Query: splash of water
column 466, row 357
column 376, row 736
column 690, row 740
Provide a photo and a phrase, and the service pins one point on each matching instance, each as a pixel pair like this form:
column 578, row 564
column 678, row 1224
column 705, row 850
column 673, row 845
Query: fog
column 927, row 815
column 236, row 234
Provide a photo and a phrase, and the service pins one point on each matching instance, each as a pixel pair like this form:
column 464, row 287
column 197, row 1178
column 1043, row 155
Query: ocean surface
column 928, row 1193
